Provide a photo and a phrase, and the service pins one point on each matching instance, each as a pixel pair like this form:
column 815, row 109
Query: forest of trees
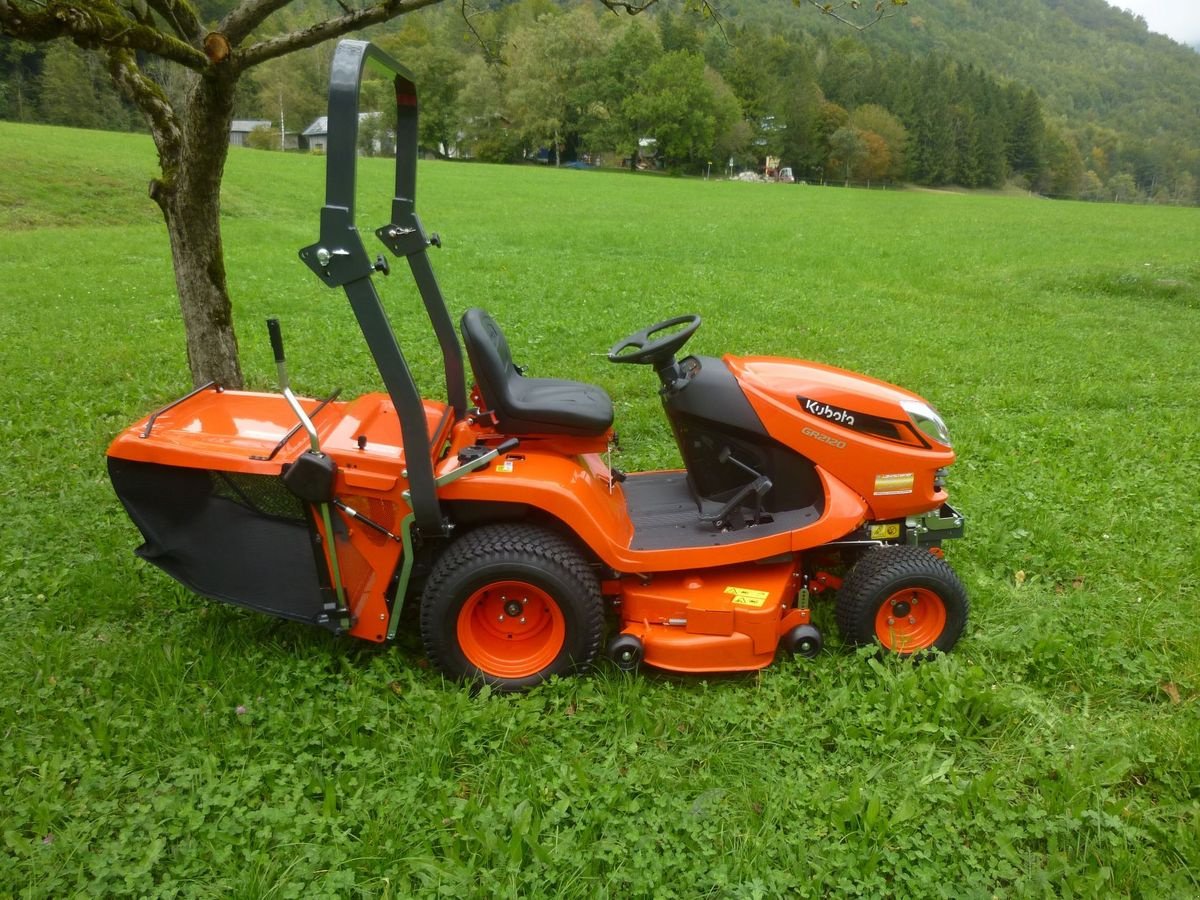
column 560, row 82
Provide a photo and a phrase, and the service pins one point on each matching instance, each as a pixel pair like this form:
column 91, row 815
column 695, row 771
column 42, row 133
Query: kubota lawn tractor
column 497, row 510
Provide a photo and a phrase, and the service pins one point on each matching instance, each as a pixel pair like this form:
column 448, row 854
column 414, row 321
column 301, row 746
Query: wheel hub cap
column 511, row 629
column 911, row 619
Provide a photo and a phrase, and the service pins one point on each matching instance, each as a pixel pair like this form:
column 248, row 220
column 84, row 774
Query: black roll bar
column 340, row 260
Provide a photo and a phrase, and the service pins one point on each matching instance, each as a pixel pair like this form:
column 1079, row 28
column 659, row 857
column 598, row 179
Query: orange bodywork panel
column 576, row 491
column 240, row 431
column 894, row 475
column 719, row 620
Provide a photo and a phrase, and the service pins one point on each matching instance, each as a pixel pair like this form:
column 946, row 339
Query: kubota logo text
column 825, row 411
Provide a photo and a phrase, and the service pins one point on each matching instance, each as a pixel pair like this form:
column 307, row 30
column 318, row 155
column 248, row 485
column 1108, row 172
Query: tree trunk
column 189, row 195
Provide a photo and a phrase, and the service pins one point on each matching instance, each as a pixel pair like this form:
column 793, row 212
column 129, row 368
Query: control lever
column 471, row 460
column 758, row 486
column 310, row 477
column 285, row 386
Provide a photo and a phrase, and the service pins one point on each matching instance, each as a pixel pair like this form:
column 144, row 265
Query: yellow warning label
column 748, row 596
column 506, row 466
column 885, row 532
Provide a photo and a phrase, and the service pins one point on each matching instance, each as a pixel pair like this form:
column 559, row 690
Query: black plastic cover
column 311, row 477
column 712, row 420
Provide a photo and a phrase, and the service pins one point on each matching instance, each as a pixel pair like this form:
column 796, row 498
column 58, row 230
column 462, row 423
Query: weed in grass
column 161, row 745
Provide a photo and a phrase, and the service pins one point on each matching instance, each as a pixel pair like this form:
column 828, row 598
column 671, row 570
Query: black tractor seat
column 529, row 405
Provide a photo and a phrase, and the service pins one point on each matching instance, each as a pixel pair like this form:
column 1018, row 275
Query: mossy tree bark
column 189, row 195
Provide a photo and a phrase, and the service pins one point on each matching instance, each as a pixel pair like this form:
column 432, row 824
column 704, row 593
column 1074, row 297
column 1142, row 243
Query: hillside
column 1092, row 64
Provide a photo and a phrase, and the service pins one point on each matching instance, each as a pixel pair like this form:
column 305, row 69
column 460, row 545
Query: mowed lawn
column 159, row 745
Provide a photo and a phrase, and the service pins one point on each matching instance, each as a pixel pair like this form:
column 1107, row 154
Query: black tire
column 626, row 651
column 803, row 640
column 472, row 580
column 899, row 578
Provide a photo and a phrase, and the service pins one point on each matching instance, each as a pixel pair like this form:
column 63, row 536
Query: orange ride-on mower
column 497, row 511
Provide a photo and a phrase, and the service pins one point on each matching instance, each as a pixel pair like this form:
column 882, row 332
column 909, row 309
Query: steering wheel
column 644, row 350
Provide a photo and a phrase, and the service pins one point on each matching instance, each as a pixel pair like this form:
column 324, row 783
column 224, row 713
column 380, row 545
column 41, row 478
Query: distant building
column 239, row 130
column 315, row 138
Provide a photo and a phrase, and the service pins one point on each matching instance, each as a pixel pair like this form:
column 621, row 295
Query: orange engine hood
column 851, row 425
column 831, row 391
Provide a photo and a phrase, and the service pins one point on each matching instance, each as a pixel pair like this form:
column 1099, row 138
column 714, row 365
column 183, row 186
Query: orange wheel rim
column 511, row 629
column 910, row 620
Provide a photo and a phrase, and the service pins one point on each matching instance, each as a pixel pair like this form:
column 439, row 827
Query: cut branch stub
column 217, row 48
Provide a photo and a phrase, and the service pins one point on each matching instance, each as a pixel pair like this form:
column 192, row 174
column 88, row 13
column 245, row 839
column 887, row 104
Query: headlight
column 927, row 421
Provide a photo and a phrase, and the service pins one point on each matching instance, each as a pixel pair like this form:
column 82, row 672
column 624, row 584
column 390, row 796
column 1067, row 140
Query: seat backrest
column 528, row 406
column 490, row 357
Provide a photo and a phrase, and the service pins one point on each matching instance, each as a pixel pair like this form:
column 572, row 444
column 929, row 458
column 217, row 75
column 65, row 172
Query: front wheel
column 511, row 605
column 903, row 598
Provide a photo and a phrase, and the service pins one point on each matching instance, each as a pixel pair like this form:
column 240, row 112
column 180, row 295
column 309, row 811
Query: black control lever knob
column 276, row 338
column 381, row 265
column 436, row 240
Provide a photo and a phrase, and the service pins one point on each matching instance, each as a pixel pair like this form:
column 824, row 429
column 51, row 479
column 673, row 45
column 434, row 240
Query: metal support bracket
column 339, row 257
column 934, row 527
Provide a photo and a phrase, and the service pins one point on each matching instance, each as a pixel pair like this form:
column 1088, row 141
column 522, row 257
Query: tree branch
column 181, row 17
column 711, row 12
column 140, row 13
column 491, row 57
column 246, row 16
column 92, row 24
column 632, row 8
column 833, row 10
column 323, row 31
column 150, row 98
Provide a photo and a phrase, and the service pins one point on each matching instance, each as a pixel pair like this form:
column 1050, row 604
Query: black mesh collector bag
column 242, row 539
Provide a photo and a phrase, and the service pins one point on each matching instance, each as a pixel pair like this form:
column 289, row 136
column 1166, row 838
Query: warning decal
column 748, row 596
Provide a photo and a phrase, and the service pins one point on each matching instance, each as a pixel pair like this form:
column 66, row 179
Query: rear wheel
column 904, row 599
column 511, row 605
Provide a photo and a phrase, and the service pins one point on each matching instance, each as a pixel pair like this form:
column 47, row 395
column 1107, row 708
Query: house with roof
column 315, row 138
column 239, row 130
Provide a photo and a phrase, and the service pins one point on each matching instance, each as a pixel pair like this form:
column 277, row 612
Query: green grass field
column 158, row 745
